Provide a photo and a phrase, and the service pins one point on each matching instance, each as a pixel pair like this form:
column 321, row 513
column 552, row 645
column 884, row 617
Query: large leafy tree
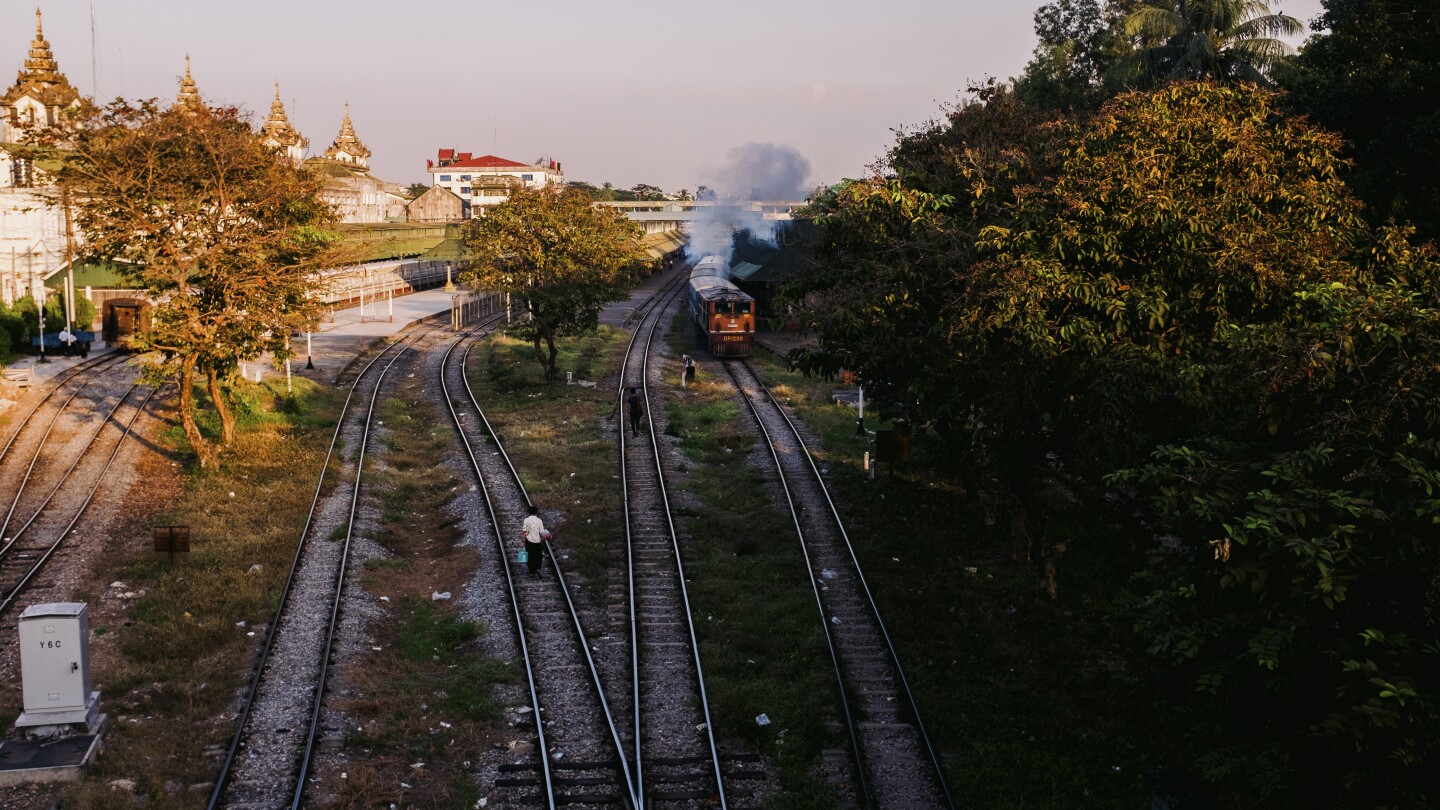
column 1202, row 275
column 1176, row 306
column 1370, row 73
column 896, row 272
column 1219, row 40
column 222, row 235
column 562, row 256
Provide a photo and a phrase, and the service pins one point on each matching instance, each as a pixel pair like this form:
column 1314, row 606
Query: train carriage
column 122, row 318
column 720, row 310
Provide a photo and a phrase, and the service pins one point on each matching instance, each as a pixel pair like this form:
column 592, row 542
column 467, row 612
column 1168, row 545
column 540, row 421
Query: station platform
column 347, row 332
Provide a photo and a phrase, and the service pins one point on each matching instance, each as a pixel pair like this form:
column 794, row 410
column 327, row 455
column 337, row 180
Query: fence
column 468, row 307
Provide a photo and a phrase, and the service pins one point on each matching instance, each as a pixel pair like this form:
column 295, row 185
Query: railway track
column 50, row 496
column 896, row 765
column 678, row 761
column 61, row 393
column 578, row 756
column 279, row 721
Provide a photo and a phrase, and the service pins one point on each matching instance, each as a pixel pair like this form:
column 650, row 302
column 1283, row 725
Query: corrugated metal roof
column 743, row 270
column 663, row 242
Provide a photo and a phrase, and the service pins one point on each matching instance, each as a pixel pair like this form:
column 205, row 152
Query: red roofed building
column 484, row 182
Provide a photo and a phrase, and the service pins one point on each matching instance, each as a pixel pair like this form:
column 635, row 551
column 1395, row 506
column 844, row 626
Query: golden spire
column 278, row 130
column 347, row 145
column 189, row 96
column 40, row 64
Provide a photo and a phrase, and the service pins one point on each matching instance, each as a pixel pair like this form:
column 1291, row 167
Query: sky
column 626, row 92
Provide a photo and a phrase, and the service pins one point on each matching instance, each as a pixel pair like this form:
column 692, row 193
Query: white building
column 350, row 189
column 485, row 182
column 32, row 223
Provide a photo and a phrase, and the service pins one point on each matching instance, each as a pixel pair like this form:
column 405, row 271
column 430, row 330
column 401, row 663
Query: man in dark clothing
column 637, row 411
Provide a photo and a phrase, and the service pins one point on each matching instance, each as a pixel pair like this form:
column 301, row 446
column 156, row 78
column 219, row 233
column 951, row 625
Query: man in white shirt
column 535, row 536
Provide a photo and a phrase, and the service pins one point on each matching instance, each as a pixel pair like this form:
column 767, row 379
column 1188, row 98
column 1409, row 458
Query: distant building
column 32, row 222
column 279, row 135
column 438, row 204
column 347, row 147
column 355, row 195
column 485, row 182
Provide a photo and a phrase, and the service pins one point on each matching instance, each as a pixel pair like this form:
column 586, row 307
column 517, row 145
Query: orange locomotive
column 721, row 311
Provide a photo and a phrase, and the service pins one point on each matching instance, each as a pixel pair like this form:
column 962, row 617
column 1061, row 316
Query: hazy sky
column 629, row 91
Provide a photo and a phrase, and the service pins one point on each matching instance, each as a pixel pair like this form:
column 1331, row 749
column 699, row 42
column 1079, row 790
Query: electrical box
column 55, row 664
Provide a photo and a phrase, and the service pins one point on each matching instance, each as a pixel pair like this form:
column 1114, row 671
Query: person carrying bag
column 532, row 550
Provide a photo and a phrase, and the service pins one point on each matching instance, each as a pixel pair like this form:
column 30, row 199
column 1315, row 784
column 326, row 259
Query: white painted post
column 288, row 388
column 390, row 302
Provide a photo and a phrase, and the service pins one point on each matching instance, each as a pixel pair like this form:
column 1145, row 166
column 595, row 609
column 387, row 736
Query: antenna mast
column 94, row 69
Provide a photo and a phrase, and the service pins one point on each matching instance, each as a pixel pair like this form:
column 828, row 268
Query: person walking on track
column 636, row 409
column 535, row 537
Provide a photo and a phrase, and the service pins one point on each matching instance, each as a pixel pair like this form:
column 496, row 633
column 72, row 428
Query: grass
column 171, row 660
column 553, row 436
column 427, row 695
column 761, row 643
column 1032, row 700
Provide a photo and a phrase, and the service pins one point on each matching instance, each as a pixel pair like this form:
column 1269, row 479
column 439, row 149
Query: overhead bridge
column 673, row 215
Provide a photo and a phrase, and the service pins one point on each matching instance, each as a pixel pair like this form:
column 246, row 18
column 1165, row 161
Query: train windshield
column 732, row 307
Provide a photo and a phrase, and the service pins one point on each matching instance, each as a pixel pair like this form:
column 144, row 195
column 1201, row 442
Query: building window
column 444, row 178
column 465, row 177
column 464, row 189
column 527, row 177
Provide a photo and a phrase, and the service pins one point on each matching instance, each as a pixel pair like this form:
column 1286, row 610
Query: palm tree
column 1223, row 40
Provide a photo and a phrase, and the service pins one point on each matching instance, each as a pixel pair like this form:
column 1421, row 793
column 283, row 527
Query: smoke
column 753, row 172
column 763, row 171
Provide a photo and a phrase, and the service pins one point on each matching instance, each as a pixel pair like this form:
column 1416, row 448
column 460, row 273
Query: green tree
column 558, row 253
column 589, row 189
column 1079, row 44
column 1370, row 74
column 416, row 189
column 222, row 236
column 1247, row 358
column 1222, row 40
column 645, row 191
column 894, row 288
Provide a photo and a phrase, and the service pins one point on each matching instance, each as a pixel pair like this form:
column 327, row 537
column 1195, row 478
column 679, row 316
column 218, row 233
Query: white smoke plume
column 763, row 171
column 753, row 172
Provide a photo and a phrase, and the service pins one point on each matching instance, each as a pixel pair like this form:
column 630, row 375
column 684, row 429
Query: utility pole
column 69, row 258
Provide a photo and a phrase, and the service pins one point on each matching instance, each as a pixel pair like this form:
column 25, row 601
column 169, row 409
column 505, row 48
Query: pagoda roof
column 41, row 78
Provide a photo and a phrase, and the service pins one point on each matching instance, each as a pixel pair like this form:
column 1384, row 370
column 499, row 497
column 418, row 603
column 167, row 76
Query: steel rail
column 222, row 780
column 667, row 291
column 644, row 386
column 855, row 751
column 35, row 458
column 340, row 578
column 630, row 783
column 15, row 592
column 913, row 705
column 96, row 364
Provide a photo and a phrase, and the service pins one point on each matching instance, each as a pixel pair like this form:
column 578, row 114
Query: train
column 122, row 318
column 722, row 312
